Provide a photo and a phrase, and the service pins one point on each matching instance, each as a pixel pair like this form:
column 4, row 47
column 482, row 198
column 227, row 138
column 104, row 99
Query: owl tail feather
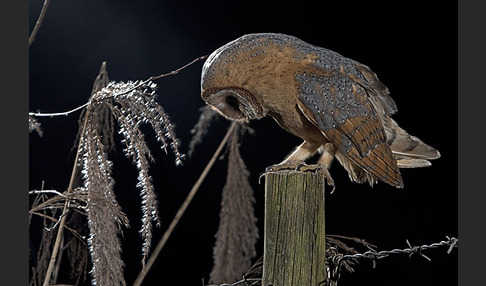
column 408, row 150
column 355, row 173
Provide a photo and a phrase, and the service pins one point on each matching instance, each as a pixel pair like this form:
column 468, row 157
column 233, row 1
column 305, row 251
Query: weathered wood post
column 294, row 242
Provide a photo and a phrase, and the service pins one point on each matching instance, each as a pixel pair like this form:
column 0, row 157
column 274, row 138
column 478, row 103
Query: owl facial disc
column 234, row 103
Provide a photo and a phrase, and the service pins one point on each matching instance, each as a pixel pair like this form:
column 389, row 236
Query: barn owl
column 335, row 104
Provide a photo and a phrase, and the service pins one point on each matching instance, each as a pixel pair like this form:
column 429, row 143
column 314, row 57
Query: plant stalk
column 55, row 249
column 183, row 208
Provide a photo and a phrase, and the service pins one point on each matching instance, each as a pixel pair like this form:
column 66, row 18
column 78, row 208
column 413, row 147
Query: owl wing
column 341, row 109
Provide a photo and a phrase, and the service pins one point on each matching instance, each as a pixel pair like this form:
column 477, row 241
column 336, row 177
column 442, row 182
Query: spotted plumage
column 335, row 104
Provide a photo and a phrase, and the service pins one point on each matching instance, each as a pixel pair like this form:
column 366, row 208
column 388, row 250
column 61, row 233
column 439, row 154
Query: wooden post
column 295, row 244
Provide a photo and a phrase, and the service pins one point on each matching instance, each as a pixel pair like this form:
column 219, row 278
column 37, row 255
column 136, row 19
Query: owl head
column 223, row 80
column 233, row 103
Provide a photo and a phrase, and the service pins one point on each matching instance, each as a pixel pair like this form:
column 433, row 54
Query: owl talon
column 293, row 166
column 309, row 168
column 302, row 167
column 289, row 166
column 329, row 180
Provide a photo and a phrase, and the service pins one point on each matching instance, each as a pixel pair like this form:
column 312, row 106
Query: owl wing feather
column 378, row 92
column 340, row 108
column 408, row 150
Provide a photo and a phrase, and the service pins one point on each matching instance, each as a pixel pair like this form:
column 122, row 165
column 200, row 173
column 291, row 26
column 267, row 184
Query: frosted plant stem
column 55, row 249
column 39, row 22
column 183, row 208
column 152, row 78
column 65, row 113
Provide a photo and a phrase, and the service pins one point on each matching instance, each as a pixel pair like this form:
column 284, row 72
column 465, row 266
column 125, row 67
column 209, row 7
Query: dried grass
column 43, row 255
column 130, row 105
column 237, row 233
column 90, row 192
column 104, row 214
column 34, row 125
column 206, row 117
column 77, row 252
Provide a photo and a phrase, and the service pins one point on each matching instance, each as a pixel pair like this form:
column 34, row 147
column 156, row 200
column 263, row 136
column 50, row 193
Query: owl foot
column 327, row 177
column 302, row 167
column 291, row 166
column 288, row 166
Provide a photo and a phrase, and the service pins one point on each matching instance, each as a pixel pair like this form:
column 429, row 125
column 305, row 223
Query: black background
column 412, row 46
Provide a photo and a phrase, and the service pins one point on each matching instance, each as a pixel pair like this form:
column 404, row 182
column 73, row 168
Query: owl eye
column 232, row 102
column 227, row 103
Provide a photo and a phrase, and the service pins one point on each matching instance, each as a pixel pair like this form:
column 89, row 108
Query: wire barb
column 336, row 263
column 337, row 260
column 451, row 242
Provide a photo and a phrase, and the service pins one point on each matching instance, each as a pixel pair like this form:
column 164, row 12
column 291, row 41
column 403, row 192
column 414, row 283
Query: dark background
column 412, row 46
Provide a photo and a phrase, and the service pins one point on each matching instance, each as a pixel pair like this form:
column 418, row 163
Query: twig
column 183, row 208
column 39, row 22
column 51, row 203
column 57, row 266
column 74, row 232
column 45, row 204
column 57, row 222
column 55, row 249
column 36, row 202
column 65, row 113
column 46, row 192
column 354, row 239
column 152, row 78
column 340, row 244
column 244, row 280
column 56, row 244
column 177, row 70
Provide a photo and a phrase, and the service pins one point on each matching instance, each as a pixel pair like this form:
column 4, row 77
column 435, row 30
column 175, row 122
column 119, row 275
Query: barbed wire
column 336, row 261
column 411, row 250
